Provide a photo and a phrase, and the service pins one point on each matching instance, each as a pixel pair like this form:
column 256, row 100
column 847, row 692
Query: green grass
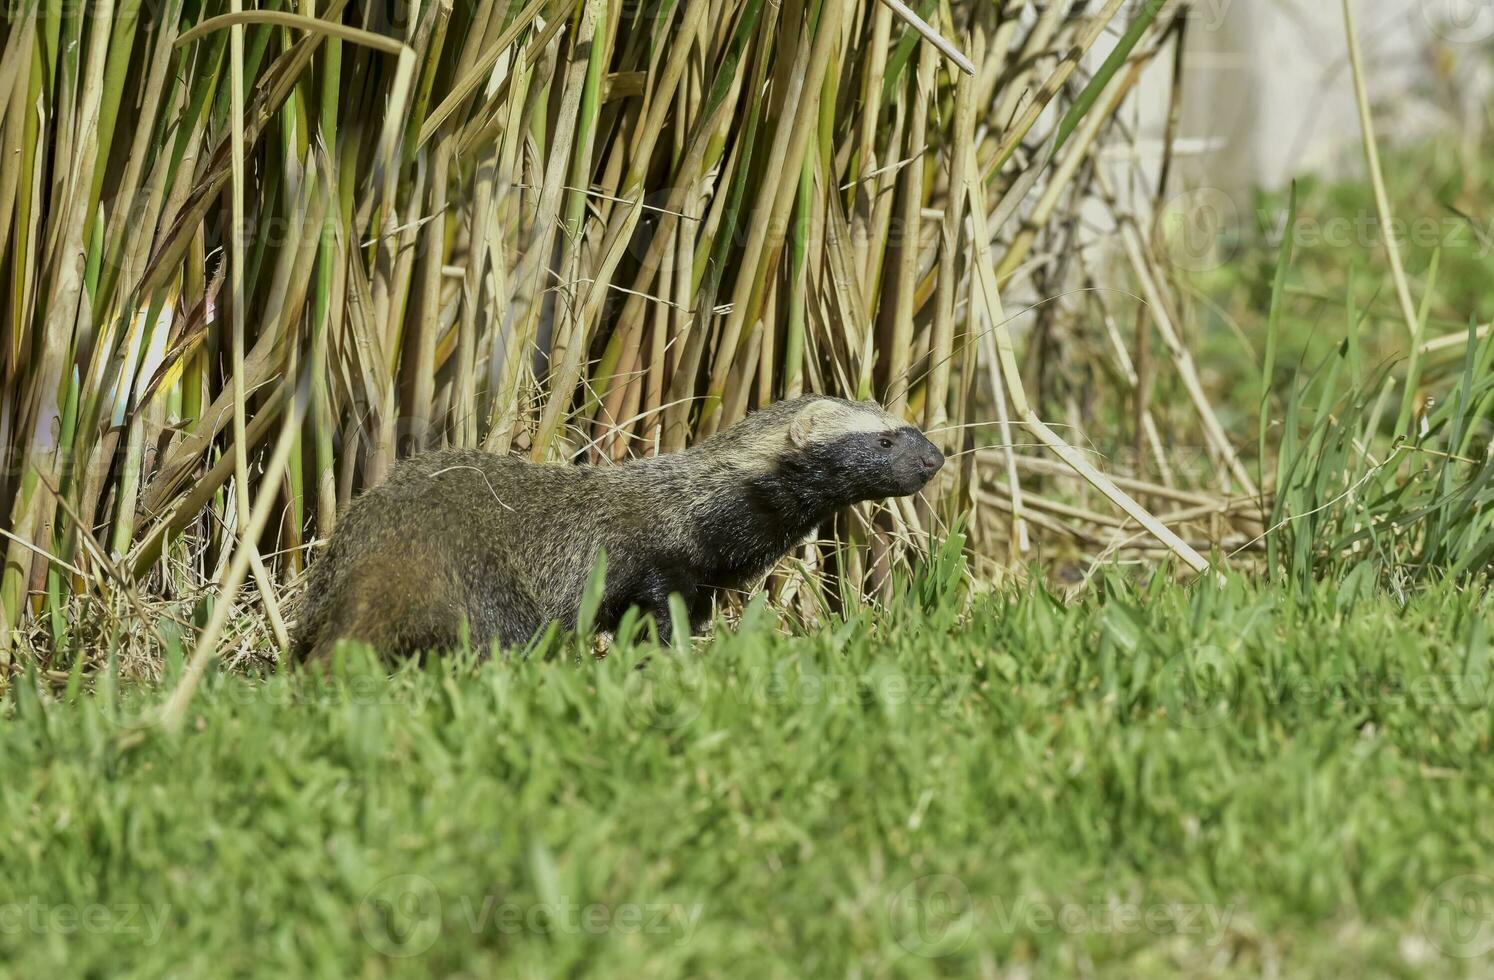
column 1340, row 269
column 1157, row 780
column 1289, row 776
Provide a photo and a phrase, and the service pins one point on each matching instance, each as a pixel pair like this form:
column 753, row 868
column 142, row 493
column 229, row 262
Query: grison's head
column 856, row 450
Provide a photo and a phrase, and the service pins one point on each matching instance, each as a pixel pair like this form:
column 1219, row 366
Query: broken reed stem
column 1116, row 496
column 990, row 298
column 929, row 34
column 173, row 711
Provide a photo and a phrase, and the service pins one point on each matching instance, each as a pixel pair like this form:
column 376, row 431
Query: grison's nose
column 931, row 461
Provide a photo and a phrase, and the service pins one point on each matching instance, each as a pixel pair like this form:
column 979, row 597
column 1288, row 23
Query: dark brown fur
column 461, row 539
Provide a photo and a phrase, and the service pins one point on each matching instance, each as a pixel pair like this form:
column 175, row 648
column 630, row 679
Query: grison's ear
column 811, row 418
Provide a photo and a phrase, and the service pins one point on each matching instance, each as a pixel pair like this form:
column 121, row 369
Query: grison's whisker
column 1017, row 445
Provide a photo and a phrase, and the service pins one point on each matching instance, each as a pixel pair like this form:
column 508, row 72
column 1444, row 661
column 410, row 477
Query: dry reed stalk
column 526, row 227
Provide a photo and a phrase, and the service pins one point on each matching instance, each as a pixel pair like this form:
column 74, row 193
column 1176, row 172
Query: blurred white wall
column 1268, row 83
column 1268, row 96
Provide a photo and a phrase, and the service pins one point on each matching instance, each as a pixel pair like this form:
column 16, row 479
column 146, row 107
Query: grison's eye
column 885, row 442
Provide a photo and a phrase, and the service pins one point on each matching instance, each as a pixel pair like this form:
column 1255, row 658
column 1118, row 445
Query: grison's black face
column 876, row 465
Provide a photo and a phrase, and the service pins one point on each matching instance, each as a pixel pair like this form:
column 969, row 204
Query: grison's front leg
column 659, row 585
column 648, row 586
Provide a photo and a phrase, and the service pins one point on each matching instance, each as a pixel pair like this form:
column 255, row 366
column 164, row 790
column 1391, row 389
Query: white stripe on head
column 825, row 419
